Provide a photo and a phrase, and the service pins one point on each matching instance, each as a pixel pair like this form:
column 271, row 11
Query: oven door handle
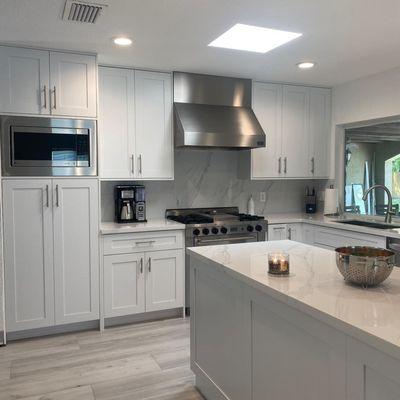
column 226, row 239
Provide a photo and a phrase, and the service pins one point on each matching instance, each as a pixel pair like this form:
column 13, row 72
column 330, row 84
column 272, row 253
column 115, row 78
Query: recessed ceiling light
column 306, row 65
column 253, row 38
column 122, row 41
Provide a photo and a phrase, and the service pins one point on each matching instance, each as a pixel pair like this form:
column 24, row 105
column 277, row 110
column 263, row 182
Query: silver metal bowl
column 365, row 266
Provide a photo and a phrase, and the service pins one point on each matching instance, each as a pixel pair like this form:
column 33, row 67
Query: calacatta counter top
column 331, row 222
column 316, row 288
column 152, row 225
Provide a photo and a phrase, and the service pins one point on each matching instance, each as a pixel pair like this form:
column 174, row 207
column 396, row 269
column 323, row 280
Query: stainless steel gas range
column 217, row 226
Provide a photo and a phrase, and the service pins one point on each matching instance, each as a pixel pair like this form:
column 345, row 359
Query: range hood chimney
column 214, row 112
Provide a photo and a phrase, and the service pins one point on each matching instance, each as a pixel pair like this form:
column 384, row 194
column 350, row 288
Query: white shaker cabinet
column 24, row 81
column 76, row 261
column 153, row 121
column 73, row 84
column 124, row 281
column 28, row 254
column 116, row 123
column 164, row 279
column 135, row 125
column 295, row 131
column 50, row 252
column 285, row 232
column 267, row 105
column 41, row 82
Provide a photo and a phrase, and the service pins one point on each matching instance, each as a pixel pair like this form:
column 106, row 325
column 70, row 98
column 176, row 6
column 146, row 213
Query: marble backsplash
column 206, row 178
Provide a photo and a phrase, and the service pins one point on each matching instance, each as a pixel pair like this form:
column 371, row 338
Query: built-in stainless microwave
column 48, row 147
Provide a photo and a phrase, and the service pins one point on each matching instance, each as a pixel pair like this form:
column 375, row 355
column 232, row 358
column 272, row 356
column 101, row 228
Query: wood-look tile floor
column 136, row 362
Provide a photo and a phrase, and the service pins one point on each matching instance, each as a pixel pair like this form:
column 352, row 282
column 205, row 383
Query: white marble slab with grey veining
column 108, row 228
column 316, row 288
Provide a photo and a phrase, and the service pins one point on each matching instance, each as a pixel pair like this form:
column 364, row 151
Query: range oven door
column 47, row 146
column 228, row 239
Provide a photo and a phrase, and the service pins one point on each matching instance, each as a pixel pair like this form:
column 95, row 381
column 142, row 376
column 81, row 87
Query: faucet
column 389, row 212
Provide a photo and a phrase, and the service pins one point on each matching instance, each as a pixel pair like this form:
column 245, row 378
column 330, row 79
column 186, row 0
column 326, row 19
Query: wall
column 206, row 178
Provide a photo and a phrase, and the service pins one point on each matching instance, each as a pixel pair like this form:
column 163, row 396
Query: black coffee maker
column 124, row 203
column 130, row 203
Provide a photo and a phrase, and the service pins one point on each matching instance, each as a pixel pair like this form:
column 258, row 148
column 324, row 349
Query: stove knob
column 196, row 232
column 250, row 228
column 214, row 230
column 224, row 230
column 259, row 228
column 206, row 231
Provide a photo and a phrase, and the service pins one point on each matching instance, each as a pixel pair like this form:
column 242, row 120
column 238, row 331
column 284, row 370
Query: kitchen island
column 307, row 336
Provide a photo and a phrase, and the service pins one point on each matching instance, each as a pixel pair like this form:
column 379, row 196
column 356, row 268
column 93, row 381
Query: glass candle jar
column 278, row 263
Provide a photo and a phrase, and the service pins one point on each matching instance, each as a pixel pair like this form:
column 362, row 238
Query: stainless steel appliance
column 48, row 147
column 215, row 111
column 217, row 226
column 130, row 203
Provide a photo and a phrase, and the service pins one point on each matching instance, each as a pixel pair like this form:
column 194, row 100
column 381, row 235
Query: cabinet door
column 308, row 234
column 277, row 232
column 153, row 115
column 164, row 279
column 24, row 81
column 28, row 254
column 73, row 84
column 266, row 162
column 124, row 284
column 320, row 119
column 76, row 266
column 294, row 232
column 295, row 136
column 116, row 122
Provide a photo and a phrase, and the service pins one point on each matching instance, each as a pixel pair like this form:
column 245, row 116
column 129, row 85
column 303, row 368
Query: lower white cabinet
column 285, row 231
column 50, row 252
column 139, row 281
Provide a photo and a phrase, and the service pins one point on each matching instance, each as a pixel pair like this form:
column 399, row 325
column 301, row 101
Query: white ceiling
column 347, row 38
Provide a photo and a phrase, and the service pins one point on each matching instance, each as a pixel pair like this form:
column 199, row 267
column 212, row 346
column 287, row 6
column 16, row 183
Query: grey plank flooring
column 148, row 361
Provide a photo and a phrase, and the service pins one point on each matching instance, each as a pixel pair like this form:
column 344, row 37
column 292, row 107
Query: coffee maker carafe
column 124, row 203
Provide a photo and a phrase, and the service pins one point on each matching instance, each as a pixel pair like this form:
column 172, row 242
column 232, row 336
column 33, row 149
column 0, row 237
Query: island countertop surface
column 316, row 287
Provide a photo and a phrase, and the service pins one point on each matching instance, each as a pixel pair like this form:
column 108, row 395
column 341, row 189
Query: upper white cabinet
column 50, row 252
column 24, row 81
column 135, row 124
column 41, row 82
column 296, row 120
column 73, row 84
column 153, row 113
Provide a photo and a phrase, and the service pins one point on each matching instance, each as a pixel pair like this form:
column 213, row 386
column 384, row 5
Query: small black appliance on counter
column 130, row 203
column 310, row 200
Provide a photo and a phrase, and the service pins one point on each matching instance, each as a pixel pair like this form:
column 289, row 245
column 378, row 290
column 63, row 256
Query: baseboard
column 143, row 317
column 53, row 330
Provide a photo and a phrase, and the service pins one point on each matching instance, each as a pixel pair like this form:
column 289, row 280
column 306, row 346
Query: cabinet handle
column 141, row 265
column 47, row 195
column 133, row 164
column 290, row 233
column 57, row 197
column 279, row 165
column 285, row 165
column 54, row 98
column 144, row 242
column 44, row 97
column 149, row 264
column 140, row 164
column 312, row 165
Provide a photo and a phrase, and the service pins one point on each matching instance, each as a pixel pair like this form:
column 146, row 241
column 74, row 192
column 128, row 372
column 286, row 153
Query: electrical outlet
column 263, row 197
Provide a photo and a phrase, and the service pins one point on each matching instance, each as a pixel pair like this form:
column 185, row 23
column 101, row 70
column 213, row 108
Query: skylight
column 253, row 38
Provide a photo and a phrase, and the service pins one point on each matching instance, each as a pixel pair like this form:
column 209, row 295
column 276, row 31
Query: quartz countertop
column 108, row 228
column 332, row 222
column 316, row 287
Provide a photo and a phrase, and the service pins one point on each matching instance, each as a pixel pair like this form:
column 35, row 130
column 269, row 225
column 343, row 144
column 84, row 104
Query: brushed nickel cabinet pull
column 133, row 164
column 54, row 98
column 312, row 165
column 141, row 265
column 285, row 165
column 149, row 264
column 44, row 97
column 47, row 195
column 57, row 197
column 279, row 165
column 140, row 164
column 290, row 233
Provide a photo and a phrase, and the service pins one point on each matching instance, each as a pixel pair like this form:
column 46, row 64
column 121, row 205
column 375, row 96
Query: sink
column 369, row 224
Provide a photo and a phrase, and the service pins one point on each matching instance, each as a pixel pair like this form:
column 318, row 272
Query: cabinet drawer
column 133, row 242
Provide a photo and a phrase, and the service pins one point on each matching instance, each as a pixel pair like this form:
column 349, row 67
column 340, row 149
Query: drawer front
column 133, row 242
column 333, row 238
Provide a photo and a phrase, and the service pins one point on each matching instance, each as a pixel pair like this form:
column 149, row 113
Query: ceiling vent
column 82, row 11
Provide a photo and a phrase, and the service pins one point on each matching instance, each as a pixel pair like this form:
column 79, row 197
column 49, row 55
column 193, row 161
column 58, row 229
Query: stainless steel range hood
column 214, row 111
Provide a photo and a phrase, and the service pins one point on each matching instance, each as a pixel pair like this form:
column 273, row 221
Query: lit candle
column 278, row 263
